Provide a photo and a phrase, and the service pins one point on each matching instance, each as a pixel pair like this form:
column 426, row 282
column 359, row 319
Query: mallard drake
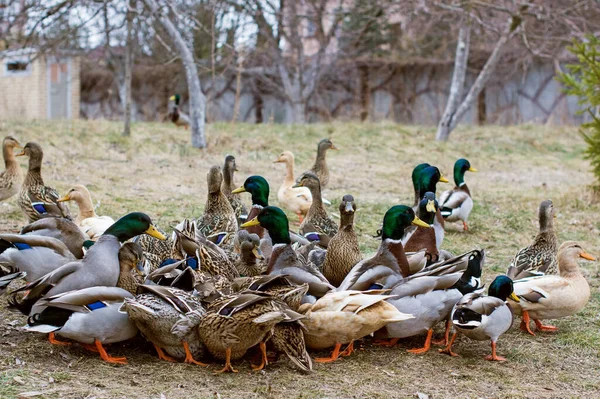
column 430, row 296
column 294, row 199
column 553, row 297
column 229, row 168
column 482, row 317
column 342, row 317
column 189, row 242
column 60, row 228
column 234, row 324
column 320, row 168
column 343, row 251
column 250, row 261
column 35, row 199
column 390, row 258
column 219, row 217
column 428, row 178
column 418, row 237
column 131, row 256
column 12, row 177
column 540, row 256
column 258, row 187
column 284, row 260
column 317, row 220
column 175, row 115
column 89, row 316
column 415, row 181
column 88, row 221
column 168, row 317
column 456, row 204
column 99, row 267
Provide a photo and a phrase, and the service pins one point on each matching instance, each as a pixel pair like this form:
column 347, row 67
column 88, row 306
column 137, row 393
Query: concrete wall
column 23, row 95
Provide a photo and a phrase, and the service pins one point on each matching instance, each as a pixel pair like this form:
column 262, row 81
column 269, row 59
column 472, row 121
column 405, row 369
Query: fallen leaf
column 31, row 394
column 19, row 380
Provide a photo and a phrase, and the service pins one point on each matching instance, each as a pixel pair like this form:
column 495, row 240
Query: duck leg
column 386, row 342
column 188, row 356
column 264, row 359
column 349, row 349
column 465, row 226
column 493, row 356
column 162, row 355
column 525, row 322
column 228, row 366
column 334, row 355
column 444, row 341
column 52, row 339
column 106, row 357
column 542, row 327
column 426, row 346
column 300, row 217
column 448, row 349
column 90, row 347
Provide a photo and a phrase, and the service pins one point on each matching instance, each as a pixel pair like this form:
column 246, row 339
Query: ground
column 157, row 172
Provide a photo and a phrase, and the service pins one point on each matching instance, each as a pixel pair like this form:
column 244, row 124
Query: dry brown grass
column 157, row 172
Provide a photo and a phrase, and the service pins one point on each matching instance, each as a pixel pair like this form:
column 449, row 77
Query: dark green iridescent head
column 176, row 98
column 501, row 288
column 258, row 187
column 460, row 167
column 428, row 207
column 415, row 174
column 395, row 221
column 428, row 178
column 131, row 225
column 274, row 220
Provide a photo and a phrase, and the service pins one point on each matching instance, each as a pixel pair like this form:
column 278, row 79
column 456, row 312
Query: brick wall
column 23, row 95
column 75, row 87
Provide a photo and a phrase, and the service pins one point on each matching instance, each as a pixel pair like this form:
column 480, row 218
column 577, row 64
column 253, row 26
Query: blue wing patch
column 21, row 246
column 39, row 207
column 375, row 286
column 96, row 305
column 168, row 261
column 312, row 236
column 193, row 263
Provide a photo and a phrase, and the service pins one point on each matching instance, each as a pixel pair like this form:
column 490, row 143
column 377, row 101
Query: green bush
column 583, row 80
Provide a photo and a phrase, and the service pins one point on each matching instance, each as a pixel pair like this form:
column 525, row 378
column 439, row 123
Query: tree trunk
column 197, row 99
column 128, row 68
column 451, row 118
column 238, row 89
column 365, row 92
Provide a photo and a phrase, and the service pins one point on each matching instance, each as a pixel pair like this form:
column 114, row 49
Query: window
column 17, row 67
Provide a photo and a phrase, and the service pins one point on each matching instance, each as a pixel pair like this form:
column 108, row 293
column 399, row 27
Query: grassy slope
column 157, row 172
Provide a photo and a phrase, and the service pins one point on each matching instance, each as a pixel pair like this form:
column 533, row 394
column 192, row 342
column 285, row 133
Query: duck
column 233, row 324
column 553, row 296
column 12, row 177
column 155, row 251
column 89, row 316
column 390, row 259
column 175, row 115
column 428, row 178
column 316, row 220
column 288, row 338
column 540, row 256
column 219, row 217
column 430, row 297
column 88, row 221
column 320, row 168
column 340, row 318
column 294, row 199
column 418, row 237
column 250, row 261
column 229, row 168
column 6, row 279
column 131, row 258
column 168, row 318
column 284, row 260
column 37, row 200
column 62, row 229
column 481, row 317
column 258, row 187
column 99, row 267
column 456, row 204
column 415, row 181
column 343, row 251
column 277, row 285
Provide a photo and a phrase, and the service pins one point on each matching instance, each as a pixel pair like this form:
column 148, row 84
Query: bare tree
column 128, row 68
column 197, row 99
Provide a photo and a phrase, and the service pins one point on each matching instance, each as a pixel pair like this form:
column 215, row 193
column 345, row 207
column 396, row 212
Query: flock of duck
column 237, row 278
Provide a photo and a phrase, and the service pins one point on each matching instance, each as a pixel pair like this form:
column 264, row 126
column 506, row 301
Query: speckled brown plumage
column 229, row 168
column 316, row 220
column 130, row 255
column 12, row 177
column 320, row 168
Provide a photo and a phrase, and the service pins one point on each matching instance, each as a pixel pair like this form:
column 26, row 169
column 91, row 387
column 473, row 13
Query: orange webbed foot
column 52, row 339
column 542, row 327
column 386, row 342
column 189, row 358
column 163, row 356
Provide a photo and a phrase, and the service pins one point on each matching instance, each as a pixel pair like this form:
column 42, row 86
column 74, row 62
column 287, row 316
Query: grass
column 156, row 171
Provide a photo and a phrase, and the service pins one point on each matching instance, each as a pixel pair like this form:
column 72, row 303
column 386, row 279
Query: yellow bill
column 430, row 206
column 257, row 253
column 63, row 199
column 418, row 222
column 22, row 153
column 239, row 190
column 443, row 180
column 472, row 169
column 587, row 256
column 155, row 233
column 514, row 297
column 172, row 98
column 250, row 223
